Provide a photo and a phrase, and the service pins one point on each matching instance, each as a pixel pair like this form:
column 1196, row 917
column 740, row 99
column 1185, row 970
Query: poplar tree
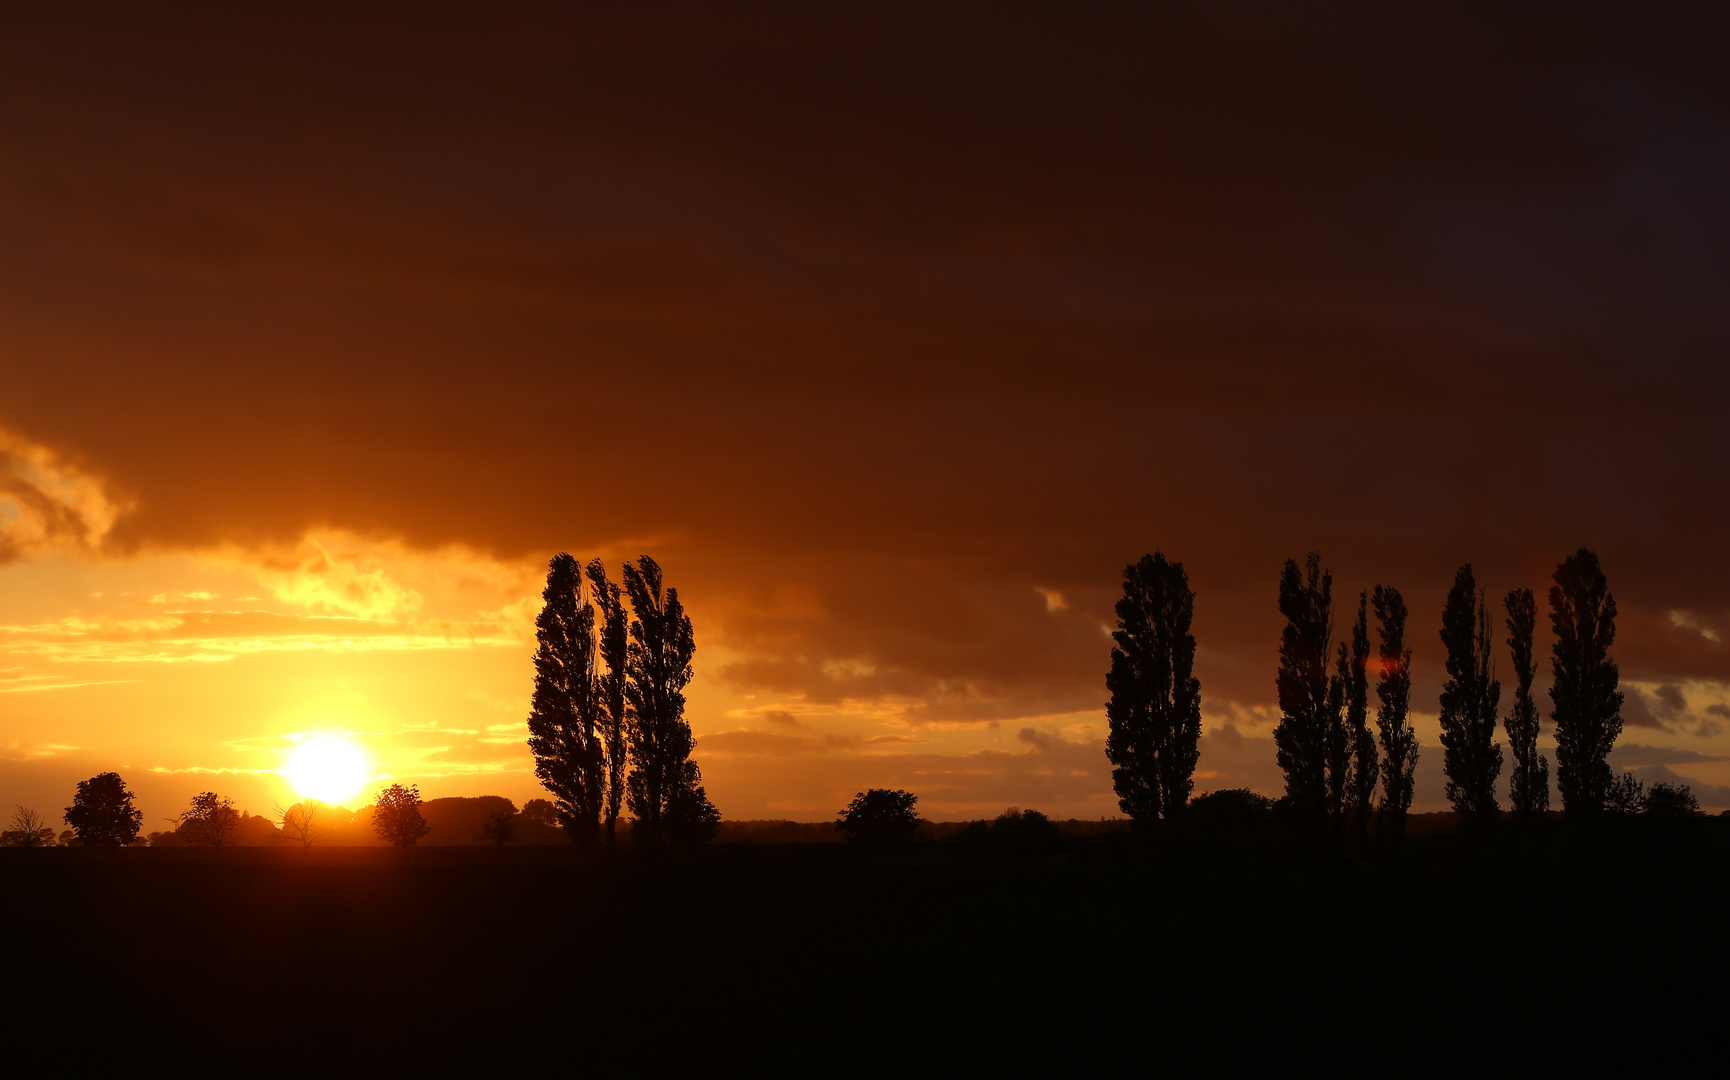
column 664, row 790
column 1529, row 782
column 1470, row 699
column 610, row 689
column 1155, row 706
column 1393, row 720
column 1302, row 735
column 1365, row 770
column 564, row 710
column 1586, row 704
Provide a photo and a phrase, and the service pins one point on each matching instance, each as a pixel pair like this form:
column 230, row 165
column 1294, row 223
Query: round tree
column 396, row 816
column 102, row 814
column 879, row 816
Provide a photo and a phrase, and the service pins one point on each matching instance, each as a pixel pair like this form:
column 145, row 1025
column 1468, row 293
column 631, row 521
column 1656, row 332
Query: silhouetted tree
column 396, row 816
column 1155, row 706
column 610, row 689
column 1471, row 700
column 664, row 790
column 1587, row 706
column 499, row 829
column 1306, row 728
column 878, row 817
column 1364, row 768
column 565, row 711
column 102, row 814
column 211, row 821
column 540, row 812
column 1393, row 715
column 300, row 823
column 1672, row 801
column 1529, row 782
column 1232, row 811
column 28, row 830
column 1625, row 794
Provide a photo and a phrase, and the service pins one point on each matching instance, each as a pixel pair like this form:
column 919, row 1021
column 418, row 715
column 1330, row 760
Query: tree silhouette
column 664, row 790
column 211, row 821
column 1364, row 769
column 540, row 811
column 1306, row 729
column 1672, row 801
column 102, row 814
column 1393, row 719
column 498, row 829
column 300, row 823
column 1471, row 698
column 1155, row 706
column 1232, row 811
column 396, row 816
column 610, row 689
column 565, row 707
column 1586, row 704
column 1625, row 794
column 28, row 830
column 879, row 817
column 1529, row 782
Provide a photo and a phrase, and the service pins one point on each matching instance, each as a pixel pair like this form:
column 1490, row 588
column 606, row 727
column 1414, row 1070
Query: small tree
column 1470, row 698
column 1155, row 706
column 1393, row 722
column 102, row 814
column 540, row 812
column 1529, row 783
column 28, row 830
column 1672, row 801
column 1587, row 705
column 396, row 816
column 1625, row 794
column 211, row 821
column 498, row 829
column 879, row 817
column 301, row 823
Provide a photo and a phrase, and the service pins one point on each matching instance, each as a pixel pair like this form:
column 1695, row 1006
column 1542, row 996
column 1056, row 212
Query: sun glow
column 327, row 768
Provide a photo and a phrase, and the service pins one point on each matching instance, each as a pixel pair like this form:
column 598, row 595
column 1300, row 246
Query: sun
column 327, row 768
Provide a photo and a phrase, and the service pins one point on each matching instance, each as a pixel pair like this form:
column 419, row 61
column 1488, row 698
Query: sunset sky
column 891, row 335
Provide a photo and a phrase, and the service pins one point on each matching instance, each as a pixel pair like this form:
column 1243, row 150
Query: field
column 1456, row 954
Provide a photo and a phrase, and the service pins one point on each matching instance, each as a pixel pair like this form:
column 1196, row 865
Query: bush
column 1234, row 811
column 1672, row 801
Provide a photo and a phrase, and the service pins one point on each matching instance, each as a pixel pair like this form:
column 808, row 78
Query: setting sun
column 327, row 769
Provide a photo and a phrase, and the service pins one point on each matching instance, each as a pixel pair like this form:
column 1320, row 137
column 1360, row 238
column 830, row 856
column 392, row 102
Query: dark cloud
column 873, row 325
column 1634, row 755
column 1710, row 796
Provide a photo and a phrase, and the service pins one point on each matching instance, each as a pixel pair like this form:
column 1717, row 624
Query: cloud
column 1709, row 796
column 49, row 504
column 1634, row 755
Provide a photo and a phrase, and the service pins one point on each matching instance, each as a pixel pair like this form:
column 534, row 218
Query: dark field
column 1460, row 955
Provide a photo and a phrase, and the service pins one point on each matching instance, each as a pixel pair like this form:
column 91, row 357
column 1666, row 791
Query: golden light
column 327, row 768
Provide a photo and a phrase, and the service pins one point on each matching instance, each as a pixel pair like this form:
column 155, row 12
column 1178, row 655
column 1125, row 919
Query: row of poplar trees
column 607, row 718
column 1325, row 747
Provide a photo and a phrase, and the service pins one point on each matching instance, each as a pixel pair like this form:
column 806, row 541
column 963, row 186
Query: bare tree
column 301, row 822
column 28, row 830
column 211, row 820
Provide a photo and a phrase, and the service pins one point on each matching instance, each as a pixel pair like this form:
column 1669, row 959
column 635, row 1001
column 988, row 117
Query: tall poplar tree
column 664, row 790
column 610, row 689
column 1586, row 703
column 1155, row 706
column 564, row 709
column 1301, row 737
column 1470, row 701
column 1365, row 770
column 1393, row 715
column 1529, row 782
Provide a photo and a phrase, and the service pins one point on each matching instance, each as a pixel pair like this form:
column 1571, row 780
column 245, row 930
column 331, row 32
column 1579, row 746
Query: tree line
column 1338, row 773
column 607, row 715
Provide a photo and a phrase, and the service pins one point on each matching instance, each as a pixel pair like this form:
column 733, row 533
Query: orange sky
column 891, row 341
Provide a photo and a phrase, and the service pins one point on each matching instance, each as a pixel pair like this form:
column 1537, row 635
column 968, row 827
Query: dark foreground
column 1460, row 955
